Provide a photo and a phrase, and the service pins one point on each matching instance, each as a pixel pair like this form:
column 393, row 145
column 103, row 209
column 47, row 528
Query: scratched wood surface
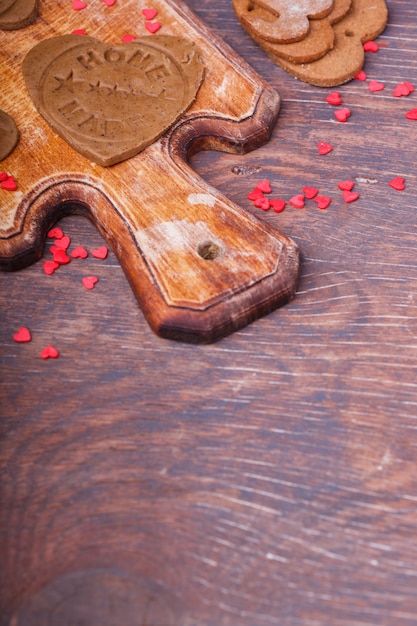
column 269, row 478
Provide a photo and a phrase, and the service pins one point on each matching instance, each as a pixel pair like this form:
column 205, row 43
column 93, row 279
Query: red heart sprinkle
column 370, row 46
column 410, row 115
column 360, row 75
column 55, row 233
column 346, row 185
column 324, row 148
column 310, row 192
column 322, row 201
column 262, row 203
column 49, row 353
column 334, row 98
column 109, row 2
column 100, row 253
column 78, row 5
column 23, row 335
column 278, row 205
column 49, row 267
column 89, row 281
column 61, row 257
column 62, row 243
column 297, row 201
column 128, row 38
column 397, row 183
column 79, row 253
column 401, row 90
column 9, row 184
column 350, row 196
column 342, row 115
column 255, row 194
column 374, row 85
column 3, row 176
column 152, row 27
column 78, row 31
column 264, row 185
column 149, row 14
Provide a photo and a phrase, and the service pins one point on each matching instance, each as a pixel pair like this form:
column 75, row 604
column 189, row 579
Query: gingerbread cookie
column 111, row 102
column 318, row 41
column 284, row 21
column 16, row 14
column 365, row 21
column 340, row 9
column 9, row 135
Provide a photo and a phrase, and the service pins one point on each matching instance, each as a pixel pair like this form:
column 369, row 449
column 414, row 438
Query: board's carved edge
column 193, row 134
column 241, row 309
column 48, row 202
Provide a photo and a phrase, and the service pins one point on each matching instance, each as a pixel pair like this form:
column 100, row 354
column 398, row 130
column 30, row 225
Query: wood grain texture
column 152, row 209
column 269, row 478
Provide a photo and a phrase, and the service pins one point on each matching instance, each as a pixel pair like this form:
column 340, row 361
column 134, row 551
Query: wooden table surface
column 266, row 479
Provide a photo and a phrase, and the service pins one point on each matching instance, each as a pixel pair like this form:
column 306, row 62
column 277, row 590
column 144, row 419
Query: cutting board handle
column 203, row 273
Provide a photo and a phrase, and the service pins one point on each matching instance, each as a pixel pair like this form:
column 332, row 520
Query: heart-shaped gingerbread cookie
column 281, row 21
column 110, row 102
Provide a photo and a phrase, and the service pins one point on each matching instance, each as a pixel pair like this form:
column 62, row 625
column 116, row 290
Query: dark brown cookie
column 319, row 40
column 340, row 9
column 16, row 14
column 9, row 135
column 111, row 102
column 365, row 21
column 282, row 21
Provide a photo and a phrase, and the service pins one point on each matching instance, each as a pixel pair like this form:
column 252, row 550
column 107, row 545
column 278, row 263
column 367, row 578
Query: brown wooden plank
column 265, row 479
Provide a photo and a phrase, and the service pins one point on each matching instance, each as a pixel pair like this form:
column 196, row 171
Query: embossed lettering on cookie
column 111, row 102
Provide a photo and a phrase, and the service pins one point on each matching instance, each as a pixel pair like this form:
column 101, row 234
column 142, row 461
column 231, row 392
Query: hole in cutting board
column 209, row 250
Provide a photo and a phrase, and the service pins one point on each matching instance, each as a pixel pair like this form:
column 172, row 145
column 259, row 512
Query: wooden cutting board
column 199, row 265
